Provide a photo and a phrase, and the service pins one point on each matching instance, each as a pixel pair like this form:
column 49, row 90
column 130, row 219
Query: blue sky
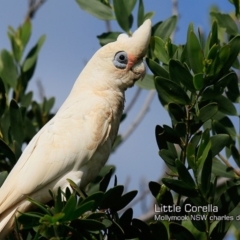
column 71, row 41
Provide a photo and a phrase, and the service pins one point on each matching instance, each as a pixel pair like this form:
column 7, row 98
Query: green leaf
column 96, row 197
column 47, row 105
column 194, row 52
column 218, row 141
column 214, row 35
column 171, row 135
column 146, row 83
column 26, row 99
column 25, row 32
column 225, row 80
column 161, row 140
column 69, row 208
column 169, row 158
column 180, row 187
column 108, row 37
column 179, row 232
column 140, row 15
column 206, row 174
column 169, row 91
column 8, row 70
column 166, row 28
column 96, row 8
column 225, row 21
column 29, row 220
column 3, row 176
column 191, row 156
column 31, row 58
column 221, row 170
column 220, row 229
column 126, row 217
column 88, row 206
column 126, row 7
column 184, row 174
column 204, row 147
column 178, row 73
column 207, row 112
column 105, row 181
column 2, row 97
column 159, row 230
column 235, row 154
column 16, row 122
column 233, row 89
column 176, row 111
column 198, row 81
column 110, row 197
column 90, row 225
column 158, row 48
column 228, row 201
column 148, row 15
column 124, row 200
column 157, row 69
column 234, row 51
column 225, row 105
column 7, row 152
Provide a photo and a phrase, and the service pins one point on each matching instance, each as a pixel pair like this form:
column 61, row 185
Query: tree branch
column 33, row 6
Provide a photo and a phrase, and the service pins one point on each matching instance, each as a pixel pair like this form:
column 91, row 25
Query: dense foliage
column 197, row 84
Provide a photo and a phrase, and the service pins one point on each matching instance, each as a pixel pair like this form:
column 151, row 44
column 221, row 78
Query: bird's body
column 77, row 141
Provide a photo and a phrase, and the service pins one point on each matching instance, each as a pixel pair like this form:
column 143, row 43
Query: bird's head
column 118, row 65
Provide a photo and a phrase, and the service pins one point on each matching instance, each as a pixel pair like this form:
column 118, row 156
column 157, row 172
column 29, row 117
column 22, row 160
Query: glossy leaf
column 27, row 99
column 169, row 158
column 8, row 70
column 96, row 8
column 225, row 21
column 178, row 73
column 228, row 200
column 146, row 83
column 198, row 81
column 221, row 170
column 225, row 105
column 3, row 176
column 161, row 140
column 214, row 35
column 176, row 111
column 207, row 112
column 180, row 187
column 191, row 159
column 126, row 7
column 169, row 91
column 166, row 28
column 140, row 15
column 220, row 229
column 206, row 174
column 235, row 155
column 126, row 217
column 218, row 141
column 158, row 230
column 3, row 99
column 105, row 181
column 16, row 122
column 179, row 232
column 158, row 48
column 111, row 196
column 108, row 37
column 33, row 54
column 124, row 200
column 7, row 152
column 79, row 211
column 226, row 79
column 195, row 54
column 184, row 174
column 157, row 69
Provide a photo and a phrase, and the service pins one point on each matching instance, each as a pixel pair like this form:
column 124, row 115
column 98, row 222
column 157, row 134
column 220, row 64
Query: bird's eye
column 120, row 60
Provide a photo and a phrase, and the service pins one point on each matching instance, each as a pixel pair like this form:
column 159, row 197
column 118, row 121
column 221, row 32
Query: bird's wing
column 64, row 144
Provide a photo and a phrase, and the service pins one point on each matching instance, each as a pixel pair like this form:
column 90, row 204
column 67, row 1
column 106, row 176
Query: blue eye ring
column 120, row 60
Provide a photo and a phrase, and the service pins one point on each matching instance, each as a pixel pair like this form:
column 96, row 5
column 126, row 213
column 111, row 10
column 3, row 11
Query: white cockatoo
column 77, row 141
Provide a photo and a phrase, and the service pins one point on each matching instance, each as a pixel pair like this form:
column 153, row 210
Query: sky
column 70, row 43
